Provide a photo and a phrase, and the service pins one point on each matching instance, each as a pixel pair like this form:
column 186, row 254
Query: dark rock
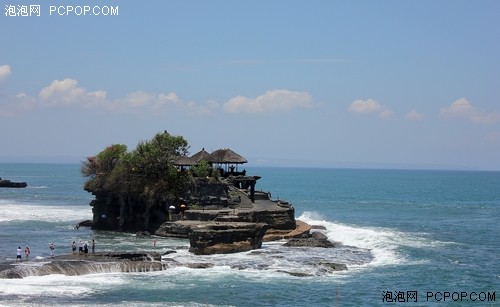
column 223, row 238
column 86, row 223
column 316, row 239
column 4, row 183
column 179, row 229
column 169, row 252
column 318, row 236
column 320, row 227
column 74, row 265
column 200, row 265
column 296, row 274
column 332, row 266
column 208, row 199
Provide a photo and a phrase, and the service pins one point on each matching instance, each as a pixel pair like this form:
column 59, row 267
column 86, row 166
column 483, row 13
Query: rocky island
column 160, row 190
column 157, row 189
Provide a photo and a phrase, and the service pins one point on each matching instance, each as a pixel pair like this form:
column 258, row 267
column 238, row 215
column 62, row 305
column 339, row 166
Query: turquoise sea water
column 416, row 234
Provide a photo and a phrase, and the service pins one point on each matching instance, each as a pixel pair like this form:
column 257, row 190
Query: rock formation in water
column 149, row 189
column 226, row 237
column 315, row 239
column 73, row 265
column 4, row 183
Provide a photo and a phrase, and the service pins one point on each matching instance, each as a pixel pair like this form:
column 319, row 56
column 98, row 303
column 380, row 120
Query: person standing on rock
column 18, row 254
column 93, row 246
column 52, row 247
column 73, row 247
column 27, row 252
column 182, row 208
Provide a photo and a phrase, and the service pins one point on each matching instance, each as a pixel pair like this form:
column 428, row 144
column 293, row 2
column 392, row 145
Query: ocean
column 408, row 238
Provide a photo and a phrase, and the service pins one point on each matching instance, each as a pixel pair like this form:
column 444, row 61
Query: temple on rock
column 158, row 188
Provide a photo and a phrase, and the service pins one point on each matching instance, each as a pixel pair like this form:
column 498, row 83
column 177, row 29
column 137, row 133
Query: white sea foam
column 382, row 242
column 12, row 211
column 37, row 187
column 59, row 285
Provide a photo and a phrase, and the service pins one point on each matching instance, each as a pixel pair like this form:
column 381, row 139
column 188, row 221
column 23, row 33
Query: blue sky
column 411, row 84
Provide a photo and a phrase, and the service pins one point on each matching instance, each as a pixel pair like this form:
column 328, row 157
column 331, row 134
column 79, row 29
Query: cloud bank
column 5, row 71
column 463, row 109
column 67, row 93
column 369, row 106
column 271, row 101
column 413, row 115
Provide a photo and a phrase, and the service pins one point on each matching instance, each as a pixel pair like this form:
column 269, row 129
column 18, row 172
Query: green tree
column 149, row 167
column 202, row 169
column 101, row 168
column 138, row 184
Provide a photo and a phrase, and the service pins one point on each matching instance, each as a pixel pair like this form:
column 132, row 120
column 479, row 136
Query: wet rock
column 296, row 274
column 200, row 265
column 224, row 238
column 86, row 223
column 316, row 239
column 74, row 265
column 319, row 227
column 332, row 266
column 4, row 183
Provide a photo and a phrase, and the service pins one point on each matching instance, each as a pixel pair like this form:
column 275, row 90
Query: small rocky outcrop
column 4, row 183
column 223, row 238
column 85, row 223
column 332, row 266
column 74, row 265
column 316, row 239
column 179, row 229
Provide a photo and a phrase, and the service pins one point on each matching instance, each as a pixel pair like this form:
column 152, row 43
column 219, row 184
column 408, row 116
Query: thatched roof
column 183, row 161
column 225, row 156
column 200, row 155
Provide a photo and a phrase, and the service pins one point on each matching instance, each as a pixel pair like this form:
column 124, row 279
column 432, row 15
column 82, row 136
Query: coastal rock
column 316, row 239
column 74, row 265
column 179, row 229
column 223, row 238
column 4, row 183
column 85, row 223
column 296, row 274
column 332, row 266
column 301, row 230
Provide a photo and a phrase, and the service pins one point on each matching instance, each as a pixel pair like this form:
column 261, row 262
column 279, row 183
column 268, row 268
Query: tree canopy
column 146, row 171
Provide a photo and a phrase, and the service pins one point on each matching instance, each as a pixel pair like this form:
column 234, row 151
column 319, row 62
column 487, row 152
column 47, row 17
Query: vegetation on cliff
column 136, row 186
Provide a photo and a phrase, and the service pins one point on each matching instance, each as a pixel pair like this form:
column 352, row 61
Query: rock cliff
column 226, row 237
column 219, row 218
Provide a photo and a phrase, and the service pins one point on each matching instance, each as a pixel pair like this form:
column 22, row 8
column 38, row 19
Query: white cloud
column 364, row 106
column 136, row 100
column 195, row 109
column 164, row 100
column 5, row 71
column 414, row 115
column 271, row 101
column 386, row 113
column 66, row 92
column 462, row 108
column 369, row 106
column 12, row 106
